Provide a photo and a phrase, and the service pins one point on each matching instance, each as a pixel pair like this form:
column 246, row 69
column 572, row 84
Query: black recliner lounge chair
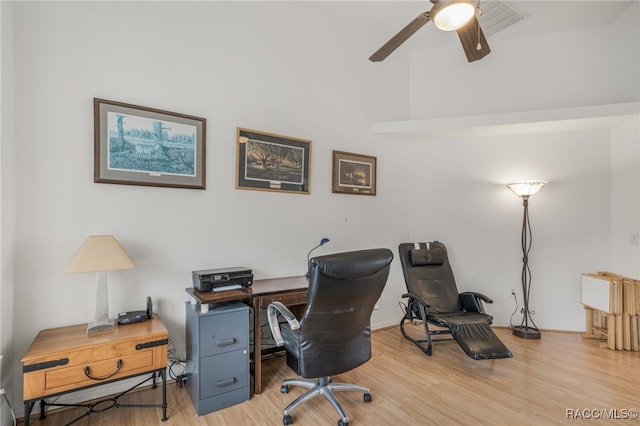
column 434, row 299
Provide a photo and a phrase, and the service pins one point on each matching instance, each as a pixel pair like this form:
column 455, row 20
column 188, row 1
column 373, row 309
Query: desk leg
column 257, row 347
column 163, row 376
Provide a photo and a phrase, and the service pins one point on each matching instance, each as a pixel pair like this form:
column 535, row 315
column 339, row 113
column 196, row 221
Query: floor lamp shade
column 100, row 253
column 526, row 188
column 527, row 329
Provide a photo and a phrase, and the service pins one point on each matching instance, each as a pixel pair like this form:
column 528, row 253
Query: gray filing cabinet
column 217, row 355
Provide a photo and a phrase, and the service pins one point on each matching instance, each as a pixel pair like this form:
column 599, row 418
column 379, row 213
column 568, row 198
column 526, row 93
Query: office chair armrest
column 272, row 315
column 472, row 301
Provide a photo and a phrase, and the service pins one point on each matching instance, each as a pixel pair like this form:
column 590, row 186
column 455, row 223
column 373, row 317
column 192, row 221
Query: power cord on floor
column 13, row 414
column 403, row 308
column 515, row 299
column 175, row 361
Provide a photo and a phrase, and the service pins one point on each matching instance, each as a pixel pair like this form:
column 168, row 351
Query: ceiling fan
column 447, row 15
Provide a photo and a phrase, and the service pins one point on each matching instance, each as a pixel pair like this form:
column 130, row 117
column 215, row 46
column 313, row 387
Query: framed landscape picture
column 135, row 145
column 270, row 162
column 353, row 173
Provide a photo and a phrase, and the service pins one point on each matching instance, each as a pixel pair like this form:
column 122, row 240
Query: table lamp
column 100, row 253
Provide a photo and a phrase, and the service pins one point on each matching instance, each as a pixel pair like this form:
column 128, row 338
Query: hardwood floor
column 547, row 382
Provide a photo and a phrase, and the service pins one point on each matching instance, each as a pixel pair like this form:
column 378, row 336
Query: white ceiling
column 383, row 19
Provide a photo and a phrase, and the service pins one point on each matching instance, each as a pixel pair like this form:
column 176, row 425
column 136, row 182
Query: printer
column 221, row 279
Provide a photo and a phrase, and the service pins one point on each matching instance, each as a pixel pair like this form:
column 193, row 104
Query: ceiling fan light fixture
column 450, row 15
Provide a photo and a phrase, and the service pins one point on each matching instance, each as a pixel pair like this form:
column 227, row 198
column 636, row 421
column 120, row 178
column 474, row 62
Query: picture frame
column 354, row 173
column 272, row 162
column 136, row 145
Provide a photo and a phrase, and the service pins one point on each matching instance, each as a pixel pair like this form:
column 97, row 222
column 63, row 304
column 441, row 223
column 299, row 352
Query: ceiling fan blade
column 401, row 37
column 470, row 36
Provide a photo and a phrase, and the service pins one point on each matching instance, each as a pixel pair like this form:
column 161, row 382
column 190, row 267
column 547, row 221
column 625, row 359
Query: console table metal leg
column 42, row 405
column 106, row 403
column 28, row 406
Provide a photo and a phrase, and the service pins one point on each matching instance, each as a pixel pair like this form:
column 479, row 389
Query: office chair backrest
column 428, row 274
column 343, row 290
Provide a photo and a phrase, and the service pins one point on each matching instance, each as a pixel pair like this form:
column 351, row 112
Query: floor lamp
column 527, row 329
column 99, row 254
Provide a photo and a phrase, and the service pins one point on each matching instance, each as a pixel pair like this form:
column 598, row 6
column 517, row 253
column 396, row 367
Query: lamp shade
column 450, row 15
column 526, row 188
column 100, row 253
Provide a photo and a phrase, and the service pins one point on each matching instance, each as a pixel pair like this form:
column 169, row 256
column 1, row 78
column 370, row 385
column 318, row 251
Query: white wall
column 625, row 201
column 271, row 67
column 582, row 220
column 594, row 66
column 277, row 67
column 7, row 206
column 459, row 197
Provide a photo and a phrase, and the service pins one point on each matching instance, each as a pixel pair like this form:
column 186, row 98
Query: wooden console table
column 291, row 291
column 67, row 359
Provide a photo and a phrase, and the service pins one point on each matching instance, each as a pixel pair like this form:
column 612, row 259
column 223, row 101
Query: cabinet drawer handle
column 87, row 372
column 226, row 382
column 227, row 342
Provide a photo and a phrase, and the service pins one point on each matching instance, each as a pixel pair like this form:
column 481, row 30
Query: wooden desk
column 67, row 359
column 289, row 290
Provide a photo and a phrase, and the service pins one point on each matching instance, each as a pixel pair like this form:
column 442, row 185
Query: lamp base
column 526, row 332
column 101, row 326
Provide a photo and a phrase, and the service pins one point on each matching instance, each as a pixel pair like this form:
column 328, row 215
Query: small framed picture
column 354, row 173
column 270, row 162
column 135, row 145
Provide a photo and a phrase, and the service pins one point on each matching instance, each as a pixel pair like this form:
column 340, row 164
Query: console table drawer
column 289, row 299
column 100, row 369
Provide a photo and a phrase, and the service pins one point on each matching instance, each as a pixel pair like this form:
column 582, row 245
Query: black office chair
column 333, row 335
column 434, row 299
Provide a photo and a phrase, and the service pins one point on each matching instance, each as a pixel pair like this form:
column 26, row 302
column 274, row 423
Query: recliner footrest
column 478, row 340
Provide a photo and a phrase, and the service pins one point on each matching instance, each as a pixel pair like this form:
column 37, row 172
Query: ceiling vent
column 497, row 15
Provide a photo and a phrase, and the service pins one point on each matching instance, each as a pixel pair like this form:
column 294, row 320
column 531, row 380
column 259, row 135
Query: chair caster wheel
column 287, row 420
column 284, row 389
column 367, row 397
column 341, row 423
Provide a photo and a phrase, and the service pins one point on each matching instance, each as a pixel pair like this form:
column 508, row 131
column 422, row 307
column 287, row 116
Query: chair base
column 322, row 386
column 426, row 344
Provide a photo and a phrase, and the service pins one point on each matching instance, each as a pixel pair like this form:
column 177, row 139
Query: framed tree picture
column 354, row 173
column 271, row 162
column 135, row 145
